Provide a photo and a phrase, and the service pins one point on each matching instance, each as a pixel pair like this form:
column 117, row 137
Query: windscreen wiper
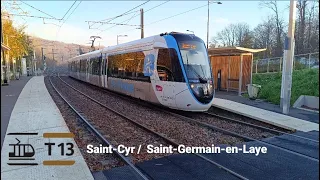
column 201, row 80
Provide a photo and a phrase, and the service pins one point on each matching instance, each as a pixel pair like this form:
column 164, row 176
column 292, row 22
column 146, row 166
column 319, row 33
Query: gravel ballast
column 115, row 129
column 83, row 137
column 172, row 127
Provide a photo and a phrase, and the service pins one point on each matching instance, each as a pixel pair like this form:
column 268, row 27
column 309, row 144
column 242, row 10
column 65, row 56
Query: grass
column 304, row 82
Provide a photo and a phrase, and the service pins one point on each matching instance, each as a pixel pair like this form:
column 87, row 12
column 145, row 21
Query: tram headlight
column 201, row 90
column 210, row 88
column 196, row 89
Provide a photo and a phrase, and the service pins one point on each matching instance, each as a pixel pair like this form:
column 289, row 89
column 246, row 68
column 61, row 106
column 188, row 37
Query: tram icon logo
column 21, row 152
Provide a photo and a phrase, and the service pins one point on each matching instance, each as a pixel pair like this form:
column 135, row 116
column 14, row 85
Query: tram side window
column 168, row 65
column 103, row 65
column 88, row 66
column 127, row 66
column 83, row 66
column 80, row 66
column 95, row 66
column 77, row 66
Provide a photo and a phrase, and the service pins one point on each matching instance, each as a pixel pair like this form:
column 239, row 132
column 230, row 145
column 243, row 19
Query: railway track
column 258, row 126
column 229, row 132
column 247, row 138
column 171, row 142
column 210, row 127
column 100, row 136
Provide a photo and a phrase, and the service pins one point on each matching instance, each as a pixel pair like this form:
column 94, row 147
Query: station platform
column 9, row 96
column 259, row 103
column 277, row 119
column 24, row 154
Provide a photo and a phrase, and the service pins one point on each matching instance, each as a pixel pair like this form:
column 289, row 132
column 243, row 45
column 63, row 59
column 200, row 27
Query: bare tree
column 279, row 25
column 234, row 35
column 243, row 35
column 301, row 26
column 264, row 38
column 312, row 28
column 227, row 37
column 213, row 43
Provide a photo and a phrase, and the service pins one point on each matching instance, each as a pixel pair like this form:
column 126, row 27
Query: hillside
column 60, row 51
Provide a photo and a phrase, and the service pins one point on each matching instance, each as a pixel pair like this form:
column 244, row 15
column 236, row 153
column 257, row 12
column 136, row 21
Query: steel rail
column 259, row 127
column 100, row 136
column 217, row 128
column 239, row 135
column 156, row 133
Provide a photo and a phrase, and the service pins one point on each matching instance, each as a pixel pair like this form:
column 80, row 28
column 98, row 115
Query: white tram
column 171, row 69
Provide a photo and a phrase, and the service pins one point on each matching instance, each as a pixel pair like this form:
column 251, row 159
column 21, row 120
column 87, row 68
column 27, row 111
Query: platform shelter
column 234, row 65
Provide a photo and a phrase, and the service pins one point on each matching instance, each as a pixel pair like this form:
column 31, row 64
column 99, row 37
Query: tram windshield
column 195, row 59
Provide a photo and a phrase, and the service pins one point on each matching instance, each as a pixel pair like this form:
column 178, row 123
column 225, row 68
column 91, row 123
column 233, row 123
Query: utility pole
column 141, row 23
column 288, row 61
column 209, row 21
column 53, row 53
column 42, row 57
column 34, row 67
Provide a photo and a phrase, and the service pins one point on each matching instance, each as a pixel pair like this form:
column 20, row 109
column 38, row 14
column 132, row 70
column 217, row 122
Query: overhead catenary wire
column 68, row 10
column 114, row 23
column 38, row 9
column 73, row 11
column 23, row 12
column 126, row 13
column 102, row 22
column 180, row 13
column 135, row 16
column 172, row 16
column 156, row 6
column 41, row 17
column 135, row 13
column 68, row 18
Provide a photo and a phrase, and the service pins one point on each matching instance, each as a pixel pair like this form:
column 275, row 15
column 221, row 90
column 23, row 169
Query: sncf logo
column 159, row 88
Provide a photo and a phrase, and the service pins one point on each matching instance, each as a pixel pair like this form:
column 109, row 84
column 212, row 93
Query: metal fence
column 300, row 61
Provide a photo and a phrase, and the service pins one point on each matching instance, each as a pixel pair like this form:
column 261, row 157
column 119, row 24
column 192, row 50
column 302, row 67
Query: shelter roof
column 232, row 51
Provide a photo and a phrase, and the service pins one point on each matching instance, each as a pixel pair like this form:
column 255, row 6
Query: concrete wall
column 309, row 101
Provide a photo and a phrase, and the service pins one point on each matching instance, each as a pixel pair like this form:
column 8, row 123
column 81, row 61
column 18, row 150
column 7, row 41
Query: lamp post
column 120, row 36
column 190, row 31
column 208, row 22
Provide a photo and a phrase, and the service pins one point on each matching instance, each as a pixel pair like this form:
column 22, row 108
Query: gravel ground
column 168, row 125
column 83, row 137
column 245, row 119
column 234, row 127
column 115, row 129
